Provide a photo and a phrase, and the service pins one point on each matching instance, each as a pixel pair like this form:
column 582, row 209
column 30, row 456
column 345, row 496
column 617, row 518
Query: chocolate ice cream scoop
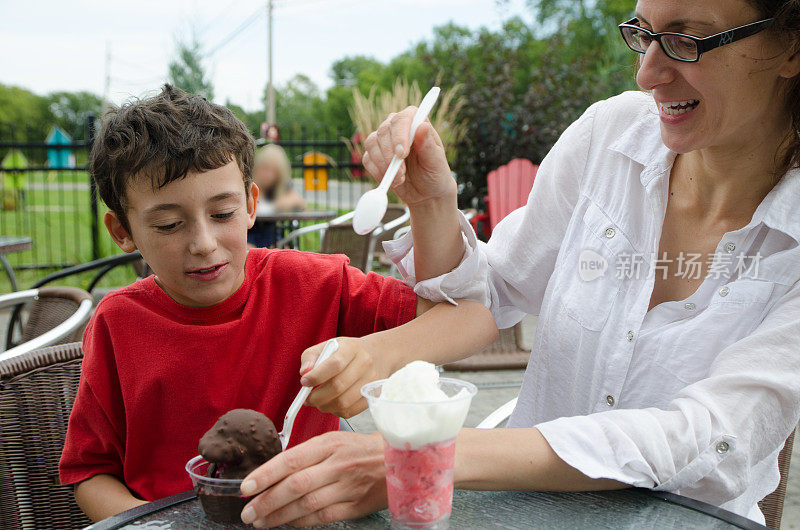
column 239, row 442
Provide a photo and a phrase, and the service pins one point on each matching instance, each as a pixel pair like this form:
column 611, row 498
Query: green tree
column 252, row 120
column 299, row 105
column 523, row 85
column 24, row 115
column 587, row 30
column 69, row 110
column 350, row 72
column 186, row 70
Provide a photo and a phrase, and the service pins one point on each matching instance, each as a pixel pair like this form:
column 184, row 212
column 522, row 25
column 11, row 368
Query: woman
column 660, row 247
column 272, row 173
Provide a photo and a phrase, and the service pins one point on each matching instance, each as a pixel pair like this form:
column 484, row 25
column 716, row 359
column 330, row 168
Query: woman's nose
column 655, row 67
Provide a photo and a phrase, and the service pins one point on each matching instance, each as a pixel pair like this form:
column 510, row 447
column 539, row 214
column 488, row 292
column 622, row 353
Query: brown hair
column 787, row 27
column 164, row 137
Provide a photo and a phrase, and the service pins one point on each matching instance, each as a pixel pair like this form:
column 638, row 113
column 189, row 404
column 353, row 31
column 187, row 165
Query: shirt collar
column 641, row 142
column 781, row 212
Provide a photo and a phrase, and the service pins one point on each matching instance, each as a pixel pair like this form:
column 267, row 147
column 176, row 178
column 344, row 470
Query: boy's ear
column 252, row 201
column 118, row 233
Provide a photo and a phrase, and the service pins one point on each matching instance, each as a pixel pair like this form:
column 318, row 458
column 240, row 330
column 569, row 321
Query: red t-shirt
column 156, row 374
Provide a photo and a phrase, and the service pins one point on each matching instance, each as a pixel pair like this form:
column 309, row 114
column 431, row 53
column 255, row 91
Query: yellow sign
column 315, row 170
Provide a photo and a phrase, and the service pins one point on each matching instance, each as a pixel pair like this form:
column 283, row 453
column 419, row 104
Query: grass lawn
column 56, row 215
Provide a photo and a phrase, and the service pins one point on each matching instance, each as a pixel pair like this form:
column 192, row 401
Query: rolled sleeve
column 466, row 281
column 604, row 446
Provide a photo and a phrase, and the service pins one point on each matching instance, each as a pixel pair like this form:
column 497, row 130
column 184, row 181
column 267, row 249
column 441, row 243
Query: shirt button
column 610, row 401
column 689, row 306
column 722, row 447
column 724, row 291
column 730, row 246
column 610, row 232
column 629, row 336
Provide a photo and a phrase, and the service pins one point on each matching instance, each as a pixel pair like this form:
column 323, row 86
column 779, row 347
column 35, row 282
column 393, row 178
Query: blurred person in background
column 272, row 173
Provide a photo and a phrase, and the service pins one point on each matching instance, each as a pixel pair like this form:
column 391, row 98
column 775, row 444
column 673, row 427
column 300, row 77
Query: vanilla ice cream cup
column 419, row 447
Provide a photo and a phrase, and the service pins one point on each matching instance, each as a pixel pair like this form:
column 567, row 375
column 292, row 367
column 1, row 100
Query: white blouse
column 695, row 396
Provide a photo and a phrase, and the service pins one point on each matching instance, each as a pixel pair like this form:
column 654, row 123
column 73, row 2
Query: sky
column 48, row 45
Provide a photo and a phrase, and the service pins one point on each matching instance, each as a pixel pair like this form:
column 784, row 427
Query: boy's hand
column 335, row 476
column 338, row 380
column 424, row 175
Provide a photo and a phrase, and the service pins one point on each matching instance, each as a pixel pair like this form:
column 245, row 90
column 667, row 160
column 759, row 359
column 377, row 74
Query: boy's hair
column 163, row 138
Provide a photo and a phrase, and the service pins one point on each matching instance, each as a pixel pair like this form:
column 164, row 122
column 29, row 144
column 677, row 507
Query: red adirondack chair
column 508, row 189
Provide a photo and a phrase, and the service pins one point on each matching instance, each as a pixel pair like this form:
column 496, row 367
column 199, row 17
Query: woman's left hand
column 335, row 476
column 338, row 380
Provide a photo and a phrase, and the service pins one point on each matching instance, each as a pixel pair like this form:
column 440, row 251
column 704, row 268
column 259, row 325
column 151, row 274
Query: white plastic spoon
column 288, row 422
column 372, row 205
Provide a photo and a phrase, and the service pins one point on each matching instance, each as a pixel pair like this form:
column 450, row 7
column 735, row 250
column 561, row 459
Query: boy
column 217, row 328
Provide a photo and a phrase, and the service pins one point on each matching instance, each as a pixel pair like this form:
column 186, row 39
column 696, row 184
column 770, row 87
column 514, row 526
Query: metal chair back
column 338, row 237
column 57, row 315
column 37, row 391
column 98, row 268
column 53, row 306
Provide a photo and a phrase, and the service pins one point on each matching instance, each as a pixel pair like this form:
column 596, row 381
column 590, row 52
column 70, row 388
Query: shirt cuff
column 584, row 444
column 602, row 449
column 467, row 281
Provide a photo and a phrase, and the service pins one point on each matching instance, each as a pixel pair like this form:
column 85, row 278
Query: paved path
column 340, row 194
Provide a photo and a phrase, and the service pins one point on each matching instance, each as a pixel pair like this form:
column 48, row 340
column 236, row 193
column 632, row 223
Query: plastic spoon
column 288, row 422
column 372, row 205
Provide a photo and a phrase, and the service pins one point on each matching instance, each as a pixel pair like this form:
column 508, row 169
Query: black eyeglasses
column 685, row 47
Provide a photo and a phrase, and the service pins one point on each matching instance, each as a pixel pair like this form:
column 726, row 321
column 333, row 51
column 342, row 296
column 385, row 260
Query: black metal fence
column 47, row 194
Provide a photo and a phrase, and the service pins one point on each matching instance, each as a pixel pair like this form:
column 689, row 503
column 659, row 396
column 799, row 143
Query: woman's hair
column 787, row 27
column 274, row 155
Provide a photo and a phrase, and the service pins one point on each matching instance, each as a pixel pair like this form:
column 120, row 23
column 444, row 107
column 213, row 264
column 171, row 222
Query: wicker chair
column 393, row 212
column 57, row 315
column 772, row 505
column 37, row 390
column 338, row 237
column 98, row 268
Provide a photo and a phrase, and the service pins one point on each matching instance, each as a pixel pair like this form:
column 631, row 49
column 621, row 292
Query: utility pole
column 270, row 87
column 107, row 84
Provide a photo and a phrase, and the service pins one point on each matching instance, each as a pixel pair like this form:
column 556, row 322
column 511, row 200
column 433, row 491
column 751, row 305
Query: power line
column 243, row 26
column 150, row 81
column 219, row 16
column 299, row 5
column 140, row 67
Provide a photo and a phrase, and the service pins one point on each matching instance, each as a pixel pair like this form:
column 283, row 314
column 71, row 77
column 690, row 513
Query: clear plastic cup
column 221, row 498
column 419, row 450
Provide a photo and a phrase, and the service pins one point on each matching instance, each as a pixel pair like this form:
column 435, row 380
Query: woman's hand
column 335, row 476
column 338, row 380
column 425, row 174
